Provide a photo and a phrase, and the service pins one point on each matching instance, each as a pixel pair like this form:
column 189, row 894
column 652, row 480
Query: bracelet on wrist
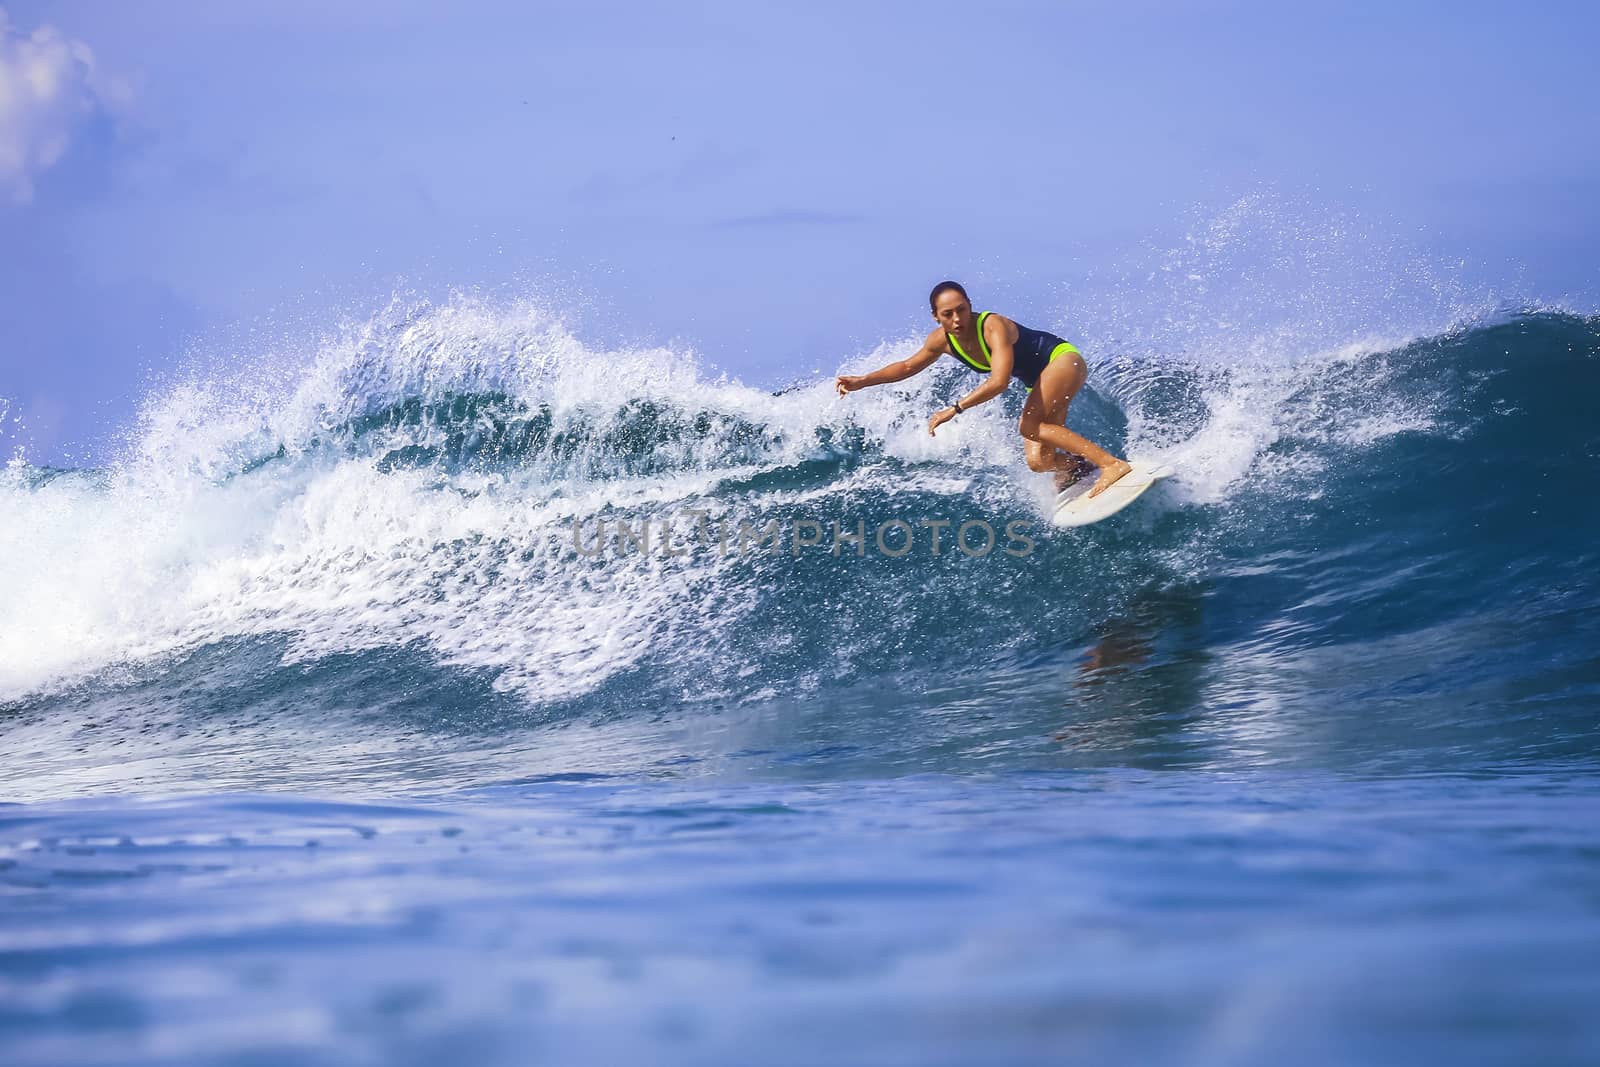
column 958, row 407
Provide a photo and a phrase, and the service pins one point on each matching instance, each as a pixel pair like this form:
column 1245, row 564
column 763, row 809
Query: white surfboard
column 1075, row 507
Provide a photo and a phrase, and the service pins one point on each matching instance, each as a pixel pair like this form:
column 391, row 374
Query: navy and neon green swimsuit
column 1034, row 351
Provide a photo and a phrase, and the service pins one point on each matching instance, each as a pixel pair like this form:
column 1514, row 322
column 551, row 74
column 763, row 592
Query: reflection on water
column 1122, row 644
column 1140, row 686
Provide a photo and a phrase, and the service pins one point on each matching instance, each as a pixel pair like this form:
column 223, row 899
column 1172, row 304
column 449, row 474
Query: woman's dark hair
column 945, row 287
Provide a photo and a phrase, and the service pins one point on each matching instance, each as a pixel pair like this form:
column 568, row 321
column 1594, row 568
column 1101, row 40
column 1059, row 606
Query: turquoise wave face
column 1365, row 558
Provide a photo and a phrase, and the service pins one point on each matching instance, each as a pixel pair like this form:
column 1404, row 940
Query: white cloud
column 49, row 87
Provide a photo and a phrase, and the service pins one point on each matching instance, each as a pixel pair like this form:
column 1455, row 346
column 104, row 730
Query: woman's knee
column 1028, row 425
column 1038, row 461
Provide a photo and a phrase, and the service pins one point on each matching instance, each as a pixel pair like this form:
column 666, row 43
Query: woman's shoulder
column 997, row 325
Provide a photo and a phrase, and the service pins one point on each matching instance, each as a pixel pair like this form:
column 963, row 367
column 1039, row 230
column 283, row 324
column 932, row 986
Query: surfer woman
column 989, row 343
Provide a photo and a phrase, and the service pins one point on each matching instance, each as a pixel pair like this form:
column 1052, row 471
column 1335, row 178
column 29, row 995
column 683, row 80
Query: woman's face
column 952, row 311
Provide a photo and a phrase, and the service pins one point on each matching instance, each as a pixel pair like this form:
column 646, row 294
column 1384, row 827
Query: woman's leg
column 1067, row 467
column 1058, row 383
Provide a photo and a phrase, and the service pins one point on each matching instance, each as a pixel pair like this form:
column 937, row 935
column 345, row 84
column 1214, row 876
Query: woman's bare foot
column 1109, row 475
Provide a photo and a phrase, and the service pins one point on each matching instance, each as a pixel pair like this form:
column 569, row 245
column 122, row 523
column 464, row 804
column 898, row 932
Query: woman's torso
column 1030, row 350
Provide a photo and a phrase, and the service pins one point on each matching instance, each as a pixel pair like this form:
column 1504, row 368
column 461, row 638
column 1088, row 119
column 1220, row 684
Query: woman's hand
column 847, row 383
column 940, row 418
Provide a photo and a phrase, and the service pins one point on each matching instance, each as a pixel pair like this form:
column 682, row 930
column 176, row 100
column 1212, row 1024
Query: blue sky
column 775, row 185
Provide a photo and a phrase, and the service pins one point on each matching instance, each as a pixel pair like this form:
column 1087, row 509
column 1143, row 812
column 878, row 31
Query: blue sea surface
column 372, row 720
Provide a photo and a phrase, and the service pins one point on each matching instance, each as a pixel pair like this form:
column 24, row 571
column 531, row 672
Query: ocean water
column 464, row 694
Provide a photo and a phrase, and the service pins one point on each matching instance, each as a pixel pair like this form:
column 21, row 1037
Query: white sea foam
column 182, row 543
